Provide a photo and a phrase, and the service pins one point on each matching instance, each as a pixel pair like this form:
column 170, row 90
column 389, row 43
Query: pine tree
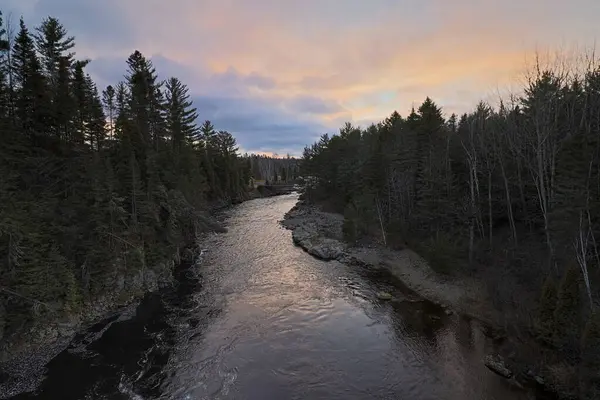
column 208, row 134
column 32, row 95
column 64, row 104
column 4, row 86
column 122, row 116
column 145, row 103
column 97, row 119
column 180, row 115
column 54, row 45
column 81, row 97
column 108, row 101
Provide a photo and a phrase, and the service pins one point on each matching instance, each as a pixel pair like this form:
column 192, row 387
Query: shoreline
column 319, row 233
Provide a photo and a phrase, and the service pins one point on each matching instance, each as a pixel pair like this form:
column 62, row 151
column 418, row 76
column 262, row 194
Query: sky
column 279, row 73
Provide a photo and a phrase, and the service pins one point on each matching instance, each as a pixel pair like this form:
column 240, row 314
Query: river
column 258, row 318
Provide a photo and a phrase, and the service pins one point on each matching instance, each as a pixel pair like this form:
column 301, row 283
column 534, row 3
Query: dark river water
column 258, row 318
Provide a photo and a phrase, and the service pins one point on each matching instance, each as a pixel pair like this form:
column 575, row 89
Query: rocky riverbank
column 23, row 357
column 320, row 234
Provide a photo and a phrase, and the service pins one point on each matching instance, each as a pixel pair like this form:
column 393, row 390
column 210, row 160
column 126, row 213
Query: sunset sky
column 278, row 73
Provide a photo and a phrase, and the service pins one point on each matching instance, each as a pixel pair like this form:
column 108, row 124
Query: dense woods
column 510, row 195
column 97, row 185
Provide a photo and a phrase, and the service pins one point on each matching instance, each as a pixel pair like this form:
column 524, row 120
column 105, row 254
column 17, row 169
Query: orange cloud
column 310, row 49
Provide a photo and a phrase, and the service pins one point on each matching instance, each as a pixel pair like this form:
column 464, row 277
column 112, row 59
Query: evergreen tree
column 145, row 103
column 180, row 115
column 54, row 45
column 64, row 102
column 81, row 97
column 97, row 119
column 4, row 86
column 108, row 101
column 31, row 92
column 208, row 134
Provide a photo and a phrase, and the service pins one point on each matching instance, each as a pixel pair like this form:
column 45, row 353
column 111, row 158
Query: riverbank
column 23, row 357
column 320, row 234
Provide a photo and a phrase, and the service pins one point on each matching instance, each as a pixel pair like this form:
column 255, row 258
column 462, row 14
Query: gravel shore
column 320, row 234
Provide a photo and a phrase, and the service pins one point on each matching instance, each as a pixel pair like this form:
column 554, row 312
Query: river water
column 258, row 318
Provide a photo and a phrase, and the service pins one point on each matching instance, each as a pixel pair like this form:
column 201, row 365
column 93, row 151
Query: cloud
column 259, row 124
column 307, row 104
column 279, row 72
column 230, row 101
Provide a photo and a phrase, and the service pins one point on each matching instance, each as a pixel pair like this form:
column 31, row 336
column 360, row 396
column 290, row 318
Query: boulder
column 327, row 249
column 384, row 296
column 496, row 364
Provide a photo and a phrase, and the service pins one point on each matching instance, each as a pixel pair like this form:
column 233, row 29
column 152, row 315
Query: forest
column 509, row 195
column 273, row 169
column 99, row 184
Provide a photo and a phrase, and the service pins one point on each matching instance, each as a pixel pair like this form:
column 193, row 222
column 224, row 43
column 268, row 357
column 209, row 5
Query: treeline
column 96, row 185
column 274, row 169
column 510, row 195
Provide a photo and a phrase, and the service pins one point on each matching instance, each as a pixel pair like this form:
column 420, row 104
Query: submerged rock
column 496, row 364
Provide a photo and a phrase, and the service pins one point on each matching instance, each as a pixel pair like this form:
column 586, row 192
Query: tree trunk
column 490, row 215
column 511, row 218
column 379, row 213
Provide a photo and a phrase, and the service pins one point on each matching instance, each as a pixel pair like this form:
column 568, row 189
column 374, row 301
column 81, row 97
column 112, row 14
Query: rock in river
column 496, row 364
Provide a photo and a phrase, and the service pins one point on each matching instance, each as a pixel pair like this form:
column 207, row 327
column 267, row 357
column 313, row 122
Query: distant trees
column 273, row 168
column 510, row 194
column 96, row 185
